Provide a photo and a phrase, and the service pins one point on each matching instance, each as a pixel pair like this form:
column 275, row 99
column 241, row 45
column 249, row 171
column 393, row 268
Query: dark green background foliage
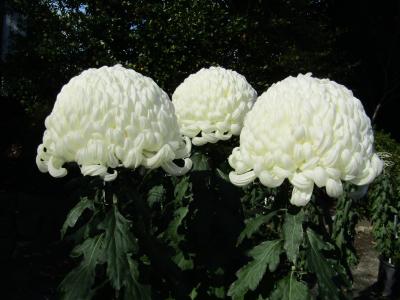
column 384, row 204
column 166, row 40
column 170, row 39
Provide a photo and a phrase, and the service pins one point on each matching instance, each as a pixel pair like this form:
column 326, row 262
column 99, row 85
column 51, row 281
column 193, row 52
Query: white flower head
column 212, row 103
column 311, row 131
column 112, row 117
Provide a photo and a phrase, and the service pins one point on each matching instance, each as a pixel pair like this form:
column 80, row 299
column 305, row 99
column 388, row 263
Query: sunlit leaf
column 293, row 234
column 289, row 288
column 253, row 225
column 119, row 242
column 266, row 255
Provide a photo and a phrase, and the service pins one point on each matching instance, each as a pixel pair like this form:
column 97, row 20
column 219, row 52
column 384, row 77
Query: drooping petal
column 55, row 167
column 242, row 179
column 334, row 188
column 300, row 197
column 171, row 168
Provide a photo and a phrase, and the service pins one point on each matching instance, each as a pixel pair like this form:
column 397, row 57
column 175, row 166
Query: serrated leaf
column 78, row 283
column 75, row 213
column 182, row 262
column 156, row 194
column 200, row 162
column 318, row 264
column 193, row 294
column 266, row 255
column 293, row 234
column 181, row 188
column 171, row 233
column 217, row 292
column 134, row 289
column 253, row 224
column 289, row 288
column 118, row 243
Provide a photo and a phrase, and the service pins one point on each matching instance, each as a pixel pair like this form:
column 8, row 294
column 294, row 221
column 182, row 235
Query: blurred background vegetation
column 355, row 43
column 46, row 42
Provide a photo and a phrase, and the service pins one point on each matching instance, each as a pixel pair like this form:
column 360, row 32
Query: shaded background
column 45, row 43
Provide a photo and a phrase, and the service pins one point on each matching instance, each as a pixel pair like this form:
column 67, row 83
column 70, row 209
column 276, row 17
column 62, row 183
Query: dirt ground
column 366, row 272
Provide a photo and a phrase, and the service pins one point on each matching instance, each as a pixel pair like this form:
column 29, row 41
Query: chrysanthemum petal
column 311, row 131
column 111, row 117
column 212, row 103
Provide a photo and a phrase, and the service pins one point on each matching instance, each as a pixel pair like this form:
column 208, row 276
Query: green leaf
column 217, row 292
column 293, row 234
column 193, row 294
column 75, row 213
column 171, row 233
column 78, row 283
column 134, row 289
column 266, row 255
column 253, row 224
column 181, row 188
column 289, row 288
column 223, row 175
column 318, row 264
column 118, row 243
column 156, row 194
column 200, row 162
column 182, row 262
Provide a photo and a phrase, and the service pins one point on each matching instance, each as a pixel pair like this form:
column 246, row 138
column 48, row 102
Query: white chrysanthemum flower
column 311, row 131
column 212, row 103
column 112, row 117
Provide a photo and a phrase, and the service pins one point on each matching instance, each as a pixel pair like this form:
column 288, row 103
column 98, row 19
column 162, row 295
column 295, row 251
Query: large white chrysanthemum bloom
column 212, row 103
column 112, row 117
column 311, row 131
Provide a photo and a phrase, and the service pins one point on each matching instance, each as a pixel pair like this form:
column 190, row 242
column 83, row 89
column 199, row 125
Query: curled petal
column 41, row 164
column 370, row 172
column 223, row 137
column 173, row 169
column 55, row 168
column 301, row 181
column 190, row 130
column 334, row 188
column 164, row 154
column 110, row 177
column 377, row 164
column 269, row 180
column 242, row 179
column 300, row 197
column 93, row 170
column 320, row 176
column 42, row 159
column 98, row 170
column 204, row 139
column 184, row 152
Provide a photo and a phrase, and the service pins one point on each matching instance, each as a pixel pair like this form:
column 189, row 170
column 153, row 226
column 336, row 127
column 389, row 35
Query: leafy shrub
column 384, row 204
